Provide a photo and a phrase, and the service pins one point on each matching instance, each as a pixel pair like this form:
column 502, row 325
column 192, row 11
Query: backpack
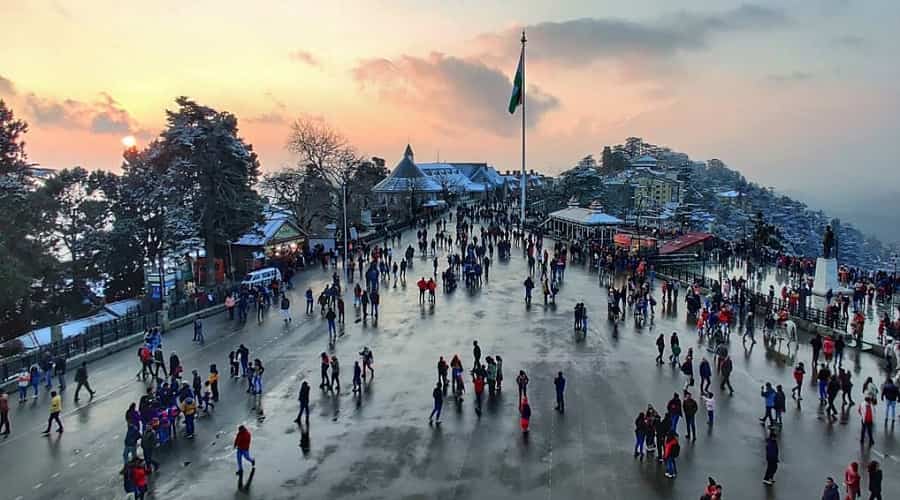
column 686, row 368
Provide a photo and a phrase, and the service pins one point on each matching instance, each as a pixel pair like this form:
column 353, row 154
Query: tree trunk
column 210, row 263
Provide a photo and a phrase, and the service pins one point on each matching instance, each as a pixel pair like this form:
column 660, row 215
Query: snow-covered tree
column 213, row 173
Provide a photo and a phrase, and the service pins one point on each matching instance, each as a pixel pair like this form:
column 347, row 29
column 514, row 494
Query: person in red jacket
column 138, row 478
column 671, row 450
column 851, row 480
column 242, row 445
column 479, row 390
column 525, row 414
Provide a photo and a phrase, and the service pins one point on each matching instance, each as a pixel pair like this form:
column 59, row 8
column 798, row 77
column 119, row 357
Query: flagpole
column 522, row 182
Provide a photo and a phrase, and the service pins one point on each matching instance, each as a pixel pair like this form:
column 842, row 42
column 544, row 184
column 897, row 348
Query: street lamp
column 894, row 258
column 346, row 229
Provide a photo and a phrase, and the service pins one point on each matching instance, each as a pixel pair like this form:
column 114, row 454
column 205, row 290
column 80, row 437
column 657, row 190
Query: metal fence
column 763, row 304
column 189, row 305
column 94, row 337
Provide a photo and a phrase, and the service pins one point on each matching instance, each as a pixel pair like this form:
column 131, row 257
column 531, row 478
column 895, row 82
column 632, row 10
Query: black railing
column 94, row 337
column 811, row 314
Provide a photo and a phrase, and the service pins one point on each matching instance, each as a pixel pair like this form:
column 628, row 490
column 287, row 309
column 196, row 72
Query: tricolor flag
column 518, row 91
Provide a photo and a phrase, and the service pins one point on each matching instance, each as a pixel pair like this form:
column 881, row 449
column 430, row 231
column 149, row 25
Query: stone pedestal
column 826, row 279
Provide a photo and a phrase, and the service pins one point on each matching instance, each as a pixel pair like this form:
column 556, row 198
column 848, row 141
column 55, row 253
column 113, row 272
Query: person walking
column 286, row 309
column 705, row 376
column 771, row 459
column 674, row 409
column 310, row 302
column 132, row 436
column 875, row 476
column 689, row 407
column 851, row 480
column 23, row 380
column 438, row 395
column 476, row 354
column 335, row 375
column 560, row 383
column 671, row 450
column 242, row 445
column 709, row 401
column 522, row 382
column 831, row 491
column 149, row 441
column 478, row 382
column 325, row 365
column 799, row 373
column 304, row 403
column 867, row 420
column 55, row 409
column 725, row 372
column 4, row 414
column 640, row 434
column 189, row 410
column 332, row 330
column 198, row 331
column 59, row 369
column 660, row 347
column 357, row 378
column 890, row 394
column 524, row 415
column 780, row 403
column 768, row 394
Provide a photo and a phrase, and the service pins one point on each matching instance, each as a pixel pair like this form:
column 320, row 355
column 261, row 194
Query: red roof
column 684, row 241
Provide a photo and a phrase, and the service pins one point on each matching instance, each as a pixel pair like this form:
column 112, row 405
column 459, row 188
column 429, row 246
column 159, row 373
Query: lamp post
column 894, row 258
column 346, row 229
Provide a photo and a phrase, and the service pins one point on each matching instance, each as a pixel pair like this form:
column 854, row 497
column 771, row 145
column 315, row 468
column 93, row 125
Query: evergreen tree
column 215, row 172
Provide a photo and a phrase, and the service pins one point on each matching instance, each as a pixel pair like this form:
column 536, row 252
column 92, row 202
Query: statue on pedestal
column 828, row 242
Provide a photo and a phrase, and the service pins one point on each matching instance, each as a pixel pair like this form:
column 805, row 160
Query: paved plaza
column 380, row 446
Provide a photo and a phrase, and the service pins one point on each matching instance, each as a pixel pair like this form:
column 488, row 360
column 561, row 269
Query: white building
column 578, row 223
column 407, row 186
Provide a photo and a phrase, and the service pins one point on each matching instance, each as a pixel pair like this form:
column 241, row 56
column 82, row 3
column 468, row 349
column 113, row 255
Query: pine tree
column 214, row 172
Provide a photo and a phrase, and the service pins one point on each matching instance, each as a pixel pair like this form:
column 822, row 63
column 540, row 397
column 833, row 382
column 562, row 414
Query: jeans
column 331, row 328
column 675, row 422
column 691, row 427
column 241, row 455
column 822, row 392
column 23, row 391
column 771, row 468
column 866, row 429
column 62, row 381
column 670, row 466
column 709, row 415
column 890, row 407
column 130, row 451
column 639, row 444
column 304, row 407
column 436, row 411
column 189, row 425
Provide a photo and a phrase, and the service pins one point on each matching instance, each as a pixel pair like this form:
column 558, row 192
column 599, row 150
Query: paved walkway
column 380, row 445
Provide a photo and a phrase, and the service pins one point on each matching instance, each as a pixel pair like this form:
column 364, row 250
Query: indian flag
column 518, row 91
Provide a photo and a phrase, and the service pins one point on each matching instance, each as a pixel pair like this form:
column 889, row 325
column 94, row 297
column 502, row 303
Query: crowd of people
column 175, row 401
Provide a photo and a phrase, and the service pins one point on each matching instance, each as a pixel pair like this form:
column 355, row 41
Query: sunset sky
column 801, row 95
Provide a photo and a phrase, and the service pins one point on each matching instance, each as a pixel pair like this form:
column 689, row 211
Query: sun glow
column 129, row 141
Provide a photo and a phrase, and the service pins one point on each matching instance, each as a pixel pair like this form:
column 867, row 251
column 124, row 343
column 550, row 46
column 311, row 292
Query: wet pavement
column 380, row 444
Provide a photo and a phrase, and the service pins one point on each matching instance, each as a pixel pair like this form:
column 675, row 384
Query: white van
column 262, row 277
